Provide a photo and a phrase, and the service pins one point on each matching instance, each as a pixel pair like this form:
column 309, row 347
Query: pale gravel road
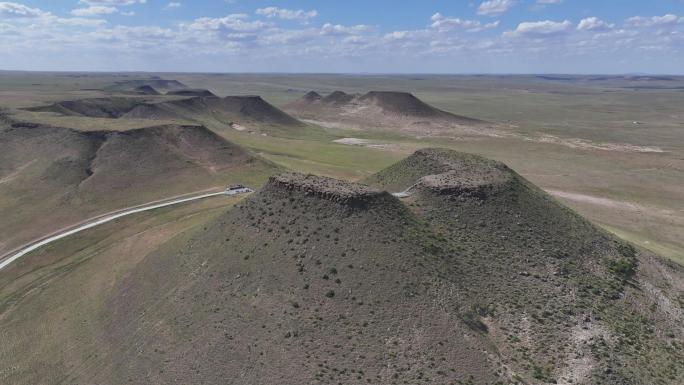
column 13, row 256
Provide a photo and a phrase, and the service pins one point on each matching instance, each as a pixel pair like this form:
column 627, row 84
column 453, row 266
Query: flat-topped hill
column 72, row 175
column 337, row 98
column 384, row 109
column 442, row 169
column 146, row 90
column 402, row 103
column 249, row 111
column 326, row 188
column 299, row 284
column 192, row 92
column 156, row 83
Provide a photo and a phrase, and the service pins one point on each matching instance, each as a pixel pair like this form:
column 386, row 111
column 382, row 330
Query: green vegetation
column 478, row 277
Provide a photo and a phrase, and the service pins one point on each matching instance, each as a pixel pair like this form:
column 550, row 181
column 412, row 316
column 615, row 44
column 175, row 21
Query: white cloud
column 80, row 21
column 31, row 37
column 10, row 10
column 94, row 10
column 594, row 24
column 237, row 22
column 545, row 2
column 173, row 4
column 340, row 30
column 287, row 14
column 444, row 23
column 655, row 21
column 495, row 7
column 540, row 28
column 112, row 2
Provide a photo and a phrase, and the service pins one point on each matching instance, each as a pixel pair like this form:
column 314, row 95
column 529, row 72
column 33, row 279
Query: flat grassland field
column 612, row 148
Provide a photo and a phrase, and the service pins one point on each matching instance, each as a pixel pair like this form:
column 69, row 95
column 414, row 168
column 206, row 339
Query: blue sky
column 380, row 36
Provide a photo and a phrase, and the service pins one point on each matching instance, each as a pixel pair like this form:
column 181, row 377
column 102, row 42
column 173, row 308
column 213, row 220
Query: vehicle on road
column 238, row 189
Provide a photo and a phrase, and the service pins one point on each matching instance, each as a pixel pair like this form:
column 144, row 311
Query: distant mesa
column 112, row 108
column 146, row 90
column 156, row 83
column 401, row 103
column 192, row 92
column 242, row 110
column 398, row 110
column 257, row 109
column 114, row 162
column 337, row 98
column 312, row 96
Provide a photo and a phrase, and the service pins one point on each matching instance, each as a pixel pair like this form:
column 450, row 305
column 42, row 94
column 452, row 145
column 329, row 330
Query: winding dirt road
column 12, row 256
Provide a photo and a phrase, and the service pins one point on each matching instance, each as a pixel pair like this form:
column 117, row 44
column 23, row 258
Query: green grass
column 672, row 252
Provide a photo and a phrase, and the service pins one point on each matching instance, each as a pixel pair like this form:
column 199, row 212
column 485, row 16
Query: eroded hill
column 234, row 112
column 389, row 110
column 478, row 277
column 53, row 177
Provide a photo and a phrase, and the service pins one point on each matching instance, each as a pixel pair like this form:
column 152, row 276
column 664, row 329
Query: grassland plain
column 478, row 278
column 578, row 135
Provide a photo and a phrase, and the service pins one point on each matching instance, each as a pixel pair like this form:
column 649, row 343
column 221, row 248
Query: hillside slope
column 240, row 112
column 477, row 278
column 53, row 177
column 388, row 110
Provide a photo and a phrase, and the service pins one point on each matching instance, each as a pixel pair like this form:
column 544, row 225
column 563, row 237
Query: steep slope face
column 385, row 109
column 309, row 281
column 405, row 104
column 156, row 83
column 337, row 98
column 192, row 92
column 111, row 108
column 562, row 300
column 247, row 111
column 145, row 90
column 53, row 177
column 312, row 96
column 477, row 278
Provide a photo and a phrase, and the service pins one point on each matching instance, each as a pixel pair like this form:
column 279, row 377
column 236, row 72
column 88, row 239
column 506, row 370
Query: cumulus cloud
column 495, row 7
column 233, row 22
column 540, row 28
column 173, row 4
column 112, row 2
column 655, row 21
column 340, row 30
column 594, row 24
column 10, row 10
column 287, row 14
column 94, row 10
column 260, row 38
column 444, row 23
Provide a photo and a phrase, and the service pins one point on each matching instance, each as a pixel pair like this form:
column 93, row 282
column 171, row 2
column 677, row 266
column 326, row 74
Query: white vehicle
column 238, row 189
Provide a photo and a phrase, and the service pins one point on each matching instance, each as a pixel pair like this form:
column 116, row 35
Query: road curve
column 4, row 262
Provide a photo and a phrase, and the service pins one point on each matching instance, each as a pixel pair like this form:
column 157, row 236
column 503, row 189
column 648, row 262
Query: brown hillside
column 477, row 278
column 70, row 175
column 245, row 110
column 145, row 90
column 405, row 104
column 396, row 111
column 156, row 83
column 192, row 92
column 337, row 98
